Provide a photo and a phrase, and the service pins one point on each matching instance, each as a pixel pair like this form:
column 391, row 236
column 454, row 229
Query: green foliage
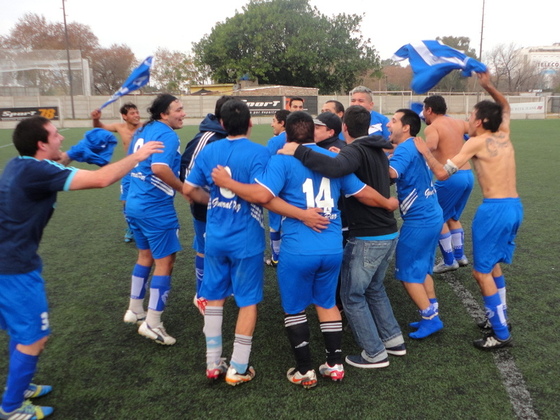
column 287, row 42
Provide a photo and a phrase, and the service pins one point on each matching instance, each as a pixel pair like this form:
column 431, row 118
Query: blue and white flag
column 432, row 60
column 139, row 77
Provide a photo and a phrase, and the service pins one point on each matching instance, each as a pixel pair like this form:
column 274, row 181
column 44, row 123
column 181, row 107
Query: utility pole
column 68, row 60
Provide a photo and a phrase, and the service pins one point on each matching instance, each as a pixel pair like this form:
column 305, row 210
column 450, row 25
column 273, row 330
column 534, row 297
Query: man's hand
column 96, row 114
column 484, row 79
column 421, row 145
column 149, row 149
column 314, row 219
column 289, row 148
column 220, row 176
column 334, row 149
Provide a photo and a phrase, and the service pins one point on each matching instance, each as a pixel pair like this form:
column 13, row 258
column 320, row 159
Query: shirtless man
column 499, row 216
column 131, row 116
column 444, row 137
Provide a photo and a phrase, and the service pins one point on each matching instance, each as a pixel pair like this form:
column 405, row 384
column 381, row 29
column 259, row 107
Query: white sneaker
column 444, row 268
column 134, row 318
column 463, row 261
column 307, row 380
column 158, row 334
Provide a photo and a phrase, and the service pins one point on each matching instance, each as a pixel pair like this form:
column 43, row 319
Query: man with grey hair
column 362, row 95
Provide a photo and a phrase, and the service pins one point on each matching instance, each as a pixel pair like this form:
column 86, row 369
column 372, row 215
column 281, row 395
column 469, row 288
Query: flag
column 96, row 147
column 139, row 77
column 432, row 60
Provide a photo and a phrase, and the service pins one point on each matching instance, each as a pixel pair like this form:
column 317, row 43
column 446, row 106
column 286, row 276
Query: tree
column 512, row 71
column 454, row 81
column 294, row 45
column 174, row 71
column 111, row 66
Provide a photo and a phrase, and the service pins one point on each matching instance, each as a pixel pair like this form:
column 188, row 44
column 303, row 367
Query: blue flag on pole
column 139, row 77
column 432, row 60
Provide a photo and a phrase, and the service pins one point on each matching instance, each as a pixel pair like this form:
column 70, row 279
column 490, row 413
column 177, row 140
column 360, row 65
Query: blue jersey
column 378, row 125
column 286, row 177
column 276, row 143
column 149, row 196
column 234, row 227
column 415, row 190
column 28, row 190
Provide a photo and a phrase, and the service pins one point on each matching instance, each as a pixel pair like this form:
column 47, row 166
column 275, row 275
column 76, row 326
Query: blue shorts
column 308, row 279
column 415, row 255
column 242, row 277
column 274, row 221
column 125, row 183
column 199, row 240
column 494, row 229
column 24, row 311
column 454, row 193
column 149, row 234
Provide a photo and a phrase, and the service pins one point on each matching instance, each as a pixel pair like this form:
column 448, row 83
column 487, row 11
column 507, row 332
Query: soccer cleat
column 234, row 378
column 463, row 261
column 427, row 327
column 336, row 372
column 27, row 411
column 158, row 334
column 128, row 236
column 36, row 391
column 270, row 262
column 307, row 380
column 215, row 370
column 399, row 350
column 358, row 361
column 444, row 268
column 134, row 318
column 491, row 342
column 486, row 326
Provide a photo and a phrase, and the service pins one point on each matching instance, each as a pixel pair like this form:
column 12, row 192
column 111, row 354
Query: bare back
column 494, row 163
column 444, row 137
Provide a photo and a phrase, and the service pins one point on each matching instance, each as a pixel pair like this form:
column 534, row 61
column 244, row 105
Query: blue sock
column 446, row 248
column 140, row 274
column 199, row 272
column 458, row 239
column 500, row 282
column 20, row 373
column 435, row 304
column 495, row 313
column 159, row 290
column 275, row 245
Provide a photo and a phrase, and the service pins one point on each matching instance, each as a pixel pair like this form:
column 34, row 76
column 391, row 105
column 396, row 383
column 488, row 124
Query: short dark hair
column 281, row 115
column 338, row 107
column 490, row 113
column 28, row 132
column 160, row 105
column 218, row 108
column 300, row 127
column 411, row 119
column 357, row 120
column 124, row 109
column 436, row 103
column 295, row 98
column 235, row 117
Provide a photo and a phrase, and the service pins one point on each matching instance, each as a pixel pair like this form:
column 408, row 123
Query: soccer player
column 500, row 215
column 444, row 137
column 153, row 219
column 372, row 240
column 210, row 130
column 295, row 104
column 131, row 117
column 274, row 144
column 310, row 261
column 28, row 192
column 334, row 107
column 422, row 221
column 362, row 95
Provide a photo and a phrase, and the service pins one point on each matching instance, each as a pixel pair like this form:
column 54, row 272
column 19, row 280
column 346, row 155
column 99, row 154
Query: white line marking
column 514, row 382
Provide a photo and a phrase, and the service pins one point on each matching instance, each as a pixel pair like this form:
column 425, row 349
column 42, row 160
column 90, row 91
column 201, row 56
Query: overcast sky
column 145, row 25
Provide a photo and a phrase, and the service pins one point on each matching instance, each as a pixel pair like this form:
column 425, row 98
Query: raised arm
column 96, row 118
column 111, row 173
column 488, row 86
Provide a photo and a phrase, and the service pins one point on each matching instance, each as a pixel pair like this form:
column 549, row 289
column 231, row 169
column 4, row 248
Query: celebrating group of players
column 229, row 179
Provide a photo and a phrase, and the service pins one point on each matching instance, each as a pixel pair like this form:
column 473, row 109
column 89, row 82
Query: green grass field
column 102, row 369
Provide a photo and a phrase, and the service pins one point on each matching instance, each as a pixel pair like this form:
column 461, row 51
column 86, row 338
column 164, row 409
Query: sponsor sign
column 18, row 114
column 268, row 105
column 528, row 108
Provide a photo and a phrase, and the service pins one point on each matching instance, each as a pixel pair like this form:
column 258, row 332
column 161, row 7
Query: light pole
column 68, row 60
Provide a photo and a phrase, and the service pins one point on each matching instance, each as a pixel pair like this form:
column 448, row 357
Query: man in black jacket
column 372, row 240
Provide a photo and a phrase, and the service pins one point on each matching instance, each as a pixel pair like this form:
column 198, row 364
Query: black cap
column 330, row 120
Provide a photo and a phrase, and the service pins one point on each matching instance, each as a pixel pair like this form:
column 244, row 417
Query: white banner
column 528, row 108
